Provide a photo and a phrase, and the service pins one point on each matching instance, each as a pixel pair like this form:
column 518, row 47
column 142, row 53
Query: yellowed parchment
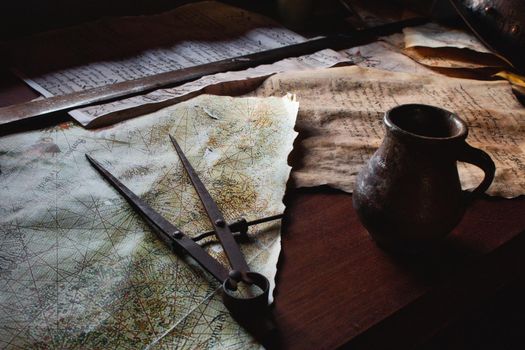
column 218, row 84
column 387, row 54
column 435, row 35
column 437, row 46
column 79, row 269
column 113, row 50
column 446, row 57
column 340, row 121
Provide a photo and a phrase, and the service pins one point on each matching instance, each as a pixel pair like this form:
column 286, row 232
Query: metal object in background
column 47, row 106
column 500, row 24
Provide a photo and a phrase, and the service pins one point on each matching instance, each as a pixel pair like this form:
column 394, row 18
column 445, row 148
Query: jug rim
column 457, row 127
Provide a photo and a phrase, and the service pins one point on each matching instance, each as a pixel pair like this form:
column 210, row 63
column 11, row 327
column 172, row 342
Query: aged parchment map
column 80, row 270
column 341, row 120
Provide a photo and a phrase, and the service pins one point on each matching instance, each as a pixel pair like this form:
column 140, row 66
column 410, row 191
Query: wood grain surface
column 337, row 287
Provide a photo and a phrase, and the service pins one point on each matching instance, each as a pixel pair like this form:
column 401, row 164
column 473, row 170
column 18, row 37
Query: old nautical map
column 80, row 270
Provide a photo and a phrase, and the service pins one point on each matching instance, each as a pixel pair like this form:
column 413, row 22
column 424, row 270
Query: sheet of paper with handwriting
column 119, row 49
column 342, row 113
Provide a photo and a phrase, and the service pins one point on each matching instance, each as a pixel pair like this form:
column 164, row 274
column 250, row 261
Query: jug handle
column 482, row 160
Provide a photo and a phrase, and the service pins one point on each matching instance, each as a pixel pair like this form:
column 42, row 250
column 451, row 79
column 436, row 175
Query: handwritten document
column 386, row 54
column 341, row 112
column 114, row 50
column 218, row 84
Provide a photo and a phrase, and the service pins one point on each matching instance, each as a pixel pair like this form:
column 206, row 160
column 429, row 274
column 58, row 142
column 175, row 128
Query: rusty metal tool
column 56, row 104
column 240, row 226
column 241, row 307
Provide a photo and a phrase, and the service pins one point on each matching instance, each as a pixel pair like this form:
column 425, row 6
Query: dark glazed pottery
column 409, row 196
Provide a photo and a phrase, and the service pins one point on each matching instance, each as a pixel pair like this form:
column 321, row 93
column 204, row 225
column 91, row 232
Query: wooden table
column 335, row 287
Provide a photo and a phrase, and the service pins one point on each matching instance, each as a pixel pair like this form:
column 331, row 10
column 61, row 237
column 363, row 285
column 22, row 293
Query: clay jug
column 408, row 196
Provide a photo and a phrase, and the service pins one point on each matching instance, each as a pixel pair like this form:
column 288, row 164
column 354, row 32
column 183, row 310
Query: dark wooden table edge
column 485, row 276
